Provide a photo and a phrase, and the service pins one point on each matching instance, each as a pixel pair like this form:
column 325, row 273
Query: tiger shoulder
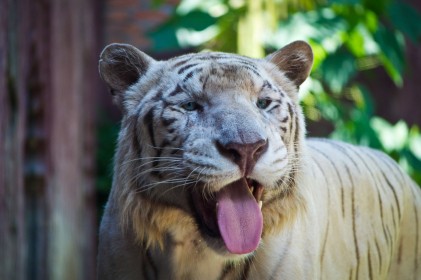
column 214, row 178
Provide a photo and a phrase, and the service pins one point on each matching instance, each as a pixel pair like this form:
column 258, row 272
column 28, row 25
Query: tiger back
column 214, row 178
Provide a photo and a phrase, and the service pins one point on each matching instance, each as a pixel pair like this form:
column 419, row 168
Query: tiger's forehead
column 215, row 72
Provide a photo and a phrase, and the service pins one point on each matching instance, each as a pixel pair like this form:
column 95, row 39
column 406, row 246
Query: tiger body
column 208, row 138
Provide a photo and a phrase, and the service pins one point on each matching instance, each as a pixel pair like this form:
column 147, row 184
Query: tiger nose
column 245, row 155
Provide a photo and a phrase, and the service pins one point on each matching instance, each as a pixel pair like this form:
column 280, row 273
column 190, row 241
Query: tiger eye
column 190, row 106
column 263, row 103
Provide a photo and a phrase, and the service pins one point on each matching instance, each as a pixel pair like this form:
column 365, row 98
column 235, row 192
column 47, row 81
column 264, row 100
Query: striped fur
column 330, row 210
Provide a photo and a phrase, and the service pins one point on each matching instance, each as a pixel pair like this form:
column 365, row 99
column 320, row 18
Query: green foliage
column 347, row 37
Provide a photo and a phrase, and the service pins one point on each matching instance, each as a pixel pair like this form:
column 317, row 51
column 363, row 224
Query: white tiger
column 214, row 179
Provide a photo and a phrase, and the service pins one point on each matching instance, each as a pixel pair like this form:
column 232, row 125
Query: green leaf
column 392, row 53
column 406, row 19
column 344, row 2
column 415, row 142
column 164, row 37
column 337, row 69
column 323, row 26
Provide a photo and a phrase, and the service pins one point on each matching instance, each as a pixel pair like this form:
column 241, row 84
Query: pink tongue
column 239, row 218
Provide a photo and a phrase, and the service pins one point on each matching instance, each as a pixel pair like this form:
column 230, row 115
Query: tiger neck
column 192, row 259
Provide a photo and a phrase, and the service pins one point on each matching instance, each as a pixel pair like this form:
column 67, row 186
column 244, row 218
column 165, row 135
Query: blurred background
column 58, row 127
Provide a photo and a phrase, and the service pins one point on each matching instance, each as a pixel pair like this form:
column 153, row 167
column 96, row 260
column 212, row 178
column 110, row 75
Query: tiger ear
column 295, row 60
column 120, row 66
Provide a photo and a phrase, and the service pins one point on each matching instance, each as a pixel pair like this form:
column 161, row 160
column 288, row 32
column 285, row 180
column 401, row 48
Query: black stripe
column 158, row 154
column 391, row 164
column 247, row 265
column 234, row 66
column 394, row 193
column 393, row 219
column 214, row 56
column 342, row 201
column 157, row 97
column 280, row 160
column 328, row 210
column 237, row 60
column 274, row 107
column 227, row 269
column 292, row 122
column 284, row 129
column 370, row 268
column 389, row 235
column 148, row 122
column 201, row 164
column 382, row 218
column 337, row 175
column 291, row 113
column 254, row 71
column 354, row 225
column 340, row 148
column 266, row 84
column 178, row 89
column 282, row 192
column 175, row 109
column 400, row 250
column 204, row 82
column 324, row 248
column 133, row 127
column 416, row 236
column 285, row 119
column 379, row 255
column 173, row 140
column 168, row 122
column 186, row 67
column 191, row 73
column 278, row 149
column 182, row 62
column 388, row 241
column 155, row 163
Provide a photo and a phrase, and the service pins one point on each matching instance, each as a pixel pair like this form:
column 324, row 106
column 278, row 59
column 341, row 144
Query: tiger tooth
column 251, row 189
column 260, row 204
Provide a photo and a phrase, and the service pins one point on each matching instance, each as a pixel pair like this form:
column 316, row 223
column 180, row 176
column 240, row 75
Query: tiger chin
column 214, row 178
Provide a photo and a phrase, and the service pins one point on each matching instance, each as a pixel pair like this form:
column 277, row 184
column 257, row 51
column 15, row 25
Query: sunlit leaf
column 415, row 145
column 355, row 42
column 392, row 137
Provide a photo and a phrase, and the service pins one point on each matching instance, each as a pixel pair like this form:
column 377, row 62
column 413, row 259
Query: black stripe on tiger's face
column 211, row 126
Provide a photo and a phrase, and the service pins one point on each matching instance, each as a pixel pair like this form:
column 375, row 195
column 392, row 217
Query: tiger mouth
column 232, row 214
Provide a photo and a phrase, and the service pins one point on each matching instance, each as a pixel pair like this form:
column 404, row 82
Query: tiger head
column 213, row 137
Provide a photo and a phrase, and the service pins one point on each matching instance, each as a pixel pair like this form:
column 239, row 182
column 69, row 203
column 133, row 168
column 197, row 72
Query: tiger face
column 216, row 135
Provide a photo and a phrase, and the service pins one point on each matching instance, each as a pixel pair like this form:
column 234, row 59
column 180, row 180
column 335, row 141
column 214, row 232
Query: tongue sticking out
column 239, row 218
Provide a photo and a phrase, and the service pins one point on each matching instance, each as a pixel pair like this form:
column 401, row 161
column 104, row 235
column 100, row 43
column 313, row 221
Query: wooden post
column 48, row 83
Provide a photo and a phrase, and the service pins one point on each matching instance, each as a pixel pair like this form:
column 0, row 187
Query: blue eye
column 190, row 106
column 263, row 103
